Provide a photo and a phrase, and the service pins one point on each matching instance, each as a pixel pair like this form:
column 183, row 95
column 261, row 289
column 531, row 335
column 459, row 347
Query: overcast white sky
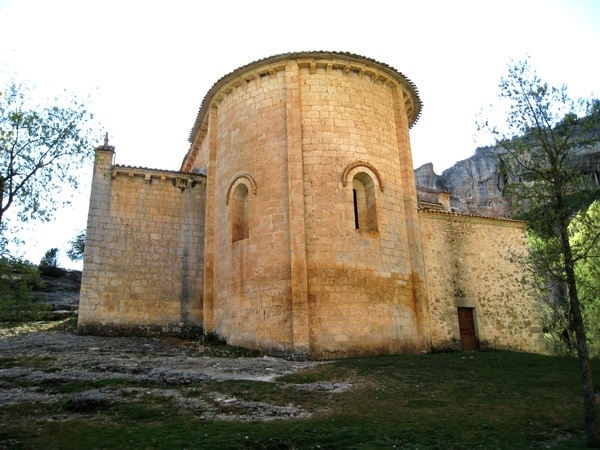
column 152, row 62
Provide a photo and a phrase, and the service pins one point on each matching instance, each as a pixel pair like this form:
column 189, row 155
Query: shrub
column 18, row 279
column 51, row 271
column 49, row 265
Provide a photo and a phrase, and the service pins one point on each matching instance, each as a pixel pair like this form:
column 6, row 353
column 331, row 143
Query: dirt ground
column 51, row 353
column 164, row 363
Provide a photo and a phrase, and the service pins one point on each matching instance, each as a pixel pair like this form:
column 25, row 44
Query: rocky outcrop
column 477, row 184
column 426, row 177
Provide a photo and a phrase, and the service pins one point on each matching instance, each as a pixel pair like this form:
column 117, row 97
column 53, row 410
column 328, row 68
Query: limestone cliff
column 476, row 184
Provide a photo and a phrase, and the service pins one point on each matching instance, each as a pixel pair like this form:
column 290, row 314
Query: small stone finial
column 106, row 146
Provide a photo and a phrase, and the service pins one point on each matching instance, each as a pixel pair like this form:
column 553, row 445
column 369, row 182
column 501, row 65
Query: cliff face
column 476, row 184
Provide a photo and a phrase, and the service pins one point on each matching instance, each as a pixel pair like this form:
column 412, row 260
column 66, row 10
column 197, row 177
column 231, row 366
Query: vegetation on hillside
column 18, row 279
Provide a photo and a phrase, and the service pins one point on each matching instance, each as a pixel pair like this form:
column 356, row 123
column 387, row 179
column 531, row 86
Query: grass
column 7, row 329
column 437, row 401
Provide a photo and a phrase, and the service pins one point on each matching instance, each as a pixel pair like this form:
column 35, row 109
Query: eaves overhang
column 347, row 60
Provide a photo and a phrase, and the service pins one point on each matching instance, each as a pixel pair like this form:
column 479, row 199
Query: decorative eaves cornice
column 346, row 61
column 163, row 175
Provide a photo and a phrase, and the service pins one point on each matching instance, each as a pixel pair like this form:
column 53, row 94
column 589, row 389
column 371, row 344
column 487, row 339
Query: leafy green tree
column 75, row 253
column 42, row 146
column 545, row 131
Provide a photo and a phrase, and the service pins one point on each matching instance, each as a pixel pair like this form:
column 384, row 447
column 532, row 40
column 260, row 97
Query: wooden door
column 466, row 325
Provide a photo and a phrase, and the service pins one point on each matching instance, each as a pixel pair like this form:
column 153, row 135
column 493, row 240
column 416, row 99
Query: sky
column 148, row 64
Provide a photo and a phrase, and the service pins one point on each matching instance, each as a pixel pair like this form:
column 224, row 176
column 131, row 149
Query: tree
column 75, row 253
column 50, row 258
column 42, row 144
column 545, row 132
column 48, row 265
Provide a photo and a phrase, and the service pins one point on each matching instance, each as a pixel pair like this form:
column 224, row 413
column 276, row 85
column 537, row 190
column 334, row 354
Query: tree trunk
column 2, row 185
column 591, row 408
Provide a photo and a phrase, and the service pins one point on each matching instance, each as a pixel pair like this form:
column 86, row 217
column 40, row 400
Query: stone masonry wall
column 251, row 287
column 144, row 251
column 304, row 280
column 468, row 262
column 360, row 281
column 293, row 227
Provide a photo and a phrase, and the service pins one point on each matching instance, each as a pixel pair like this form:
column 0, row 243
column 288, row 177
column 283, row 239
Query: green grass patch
column 80, row 386
column 453, row 400
column 307, row 377
column 152, row 409
column 260, row 391
column 34, row 362
column 6, row 363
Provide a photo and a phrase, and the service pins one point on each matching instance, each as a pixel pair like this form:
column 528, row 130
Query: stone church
column 294, row 226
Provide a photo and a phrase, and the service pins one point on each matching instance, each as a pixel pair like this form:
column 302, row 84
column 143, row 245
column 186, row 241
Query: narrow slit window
column 356, row 225
column 365, row 211
column 239, row 214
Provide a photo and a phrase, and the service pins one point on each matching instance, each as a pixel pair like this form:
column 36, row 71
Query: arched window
column 365, row 211
column 239, row 213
